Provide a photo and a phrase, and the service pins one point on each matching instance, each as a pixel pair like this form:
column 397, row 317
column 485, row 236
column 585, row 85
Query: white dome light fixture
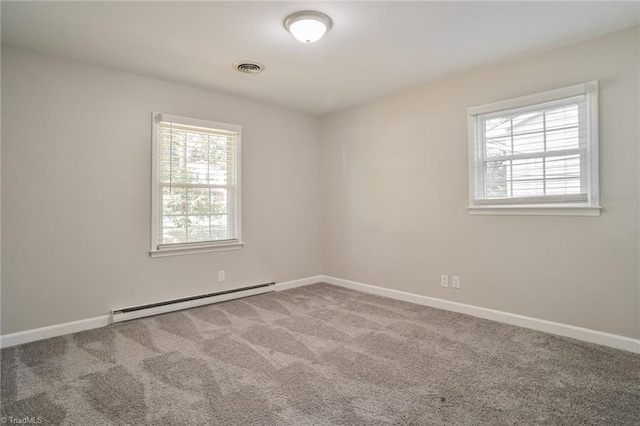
column 308, row 26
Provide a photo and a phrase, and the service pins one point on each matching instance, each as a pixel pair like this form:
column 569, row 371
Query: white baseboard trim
column 286, row 285
column 585, row 334
column 28, row 336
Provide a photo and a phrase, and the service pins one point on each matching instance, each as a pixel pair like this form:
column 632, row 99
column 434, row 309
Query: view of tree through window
column 197, row 184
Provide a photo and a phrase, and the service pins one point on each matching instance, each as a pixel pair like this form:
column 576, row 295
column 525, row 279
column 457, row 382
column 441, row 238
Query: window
column 196, row 186
column 537, row 154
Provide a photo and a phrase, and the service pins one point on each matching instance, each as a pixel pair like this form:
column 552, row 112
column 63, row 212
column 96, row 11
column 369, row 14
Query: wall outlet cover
column 444, row 280
column 455, row 281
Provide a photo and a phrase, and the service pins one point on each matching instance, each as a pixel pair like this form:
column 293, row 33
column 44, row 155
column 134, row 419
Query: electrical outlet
column 444, row 280
column 220, row 275
column 455, row 281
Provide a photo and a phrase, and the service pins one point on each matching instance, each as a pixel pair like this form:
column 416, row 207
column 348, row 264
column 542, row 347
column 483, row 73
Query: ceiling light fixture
column 308, row 26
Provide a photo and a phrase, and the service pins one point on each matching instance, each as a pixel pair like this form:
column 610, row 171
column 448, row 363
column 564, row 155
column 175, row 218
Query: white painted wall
column 76, row 170
column 396, row 192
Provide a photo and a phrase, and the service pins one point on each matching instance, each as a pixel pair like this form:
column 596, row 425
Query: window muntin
column 196, row 184
column 536, row 150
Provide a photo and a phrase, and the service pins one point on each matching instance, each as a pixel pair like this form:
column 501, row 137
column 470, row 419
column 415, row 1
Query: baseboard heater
column 124, row 314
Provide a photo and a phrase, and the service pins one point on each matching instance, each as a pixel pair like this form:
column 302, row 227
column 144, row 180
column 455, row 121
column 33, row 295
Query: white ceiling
column 374, row 48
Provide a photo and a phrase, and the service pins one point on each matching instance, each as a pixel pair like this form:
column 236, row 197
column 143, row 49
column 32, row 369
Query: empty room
column 320, row 213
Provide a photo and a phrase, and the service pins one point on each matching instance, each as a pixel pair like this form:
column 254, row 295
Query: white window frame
column 559, row 205
column 194, row 247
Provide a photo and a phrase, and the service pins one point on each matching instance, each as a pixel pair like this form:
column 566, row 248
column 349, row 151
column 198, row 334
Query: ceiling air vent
column 249, row 67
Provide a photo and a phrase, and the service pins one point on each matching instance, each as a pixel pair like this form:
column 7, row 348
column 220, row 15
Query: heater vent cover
column 249, row 67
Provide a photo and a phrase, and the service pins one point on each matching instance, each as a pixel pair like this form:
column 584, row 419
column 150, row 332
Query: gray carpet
column 318, row 355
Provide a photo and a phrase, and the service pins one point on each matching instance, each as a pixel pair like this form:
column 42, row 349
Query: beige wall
column 396, row 191
column 376, row 194
column 76, row 193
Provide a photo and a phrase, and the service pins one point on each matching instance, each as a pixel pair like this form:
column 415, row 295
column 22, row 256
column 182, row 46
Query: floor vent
column 124, row 314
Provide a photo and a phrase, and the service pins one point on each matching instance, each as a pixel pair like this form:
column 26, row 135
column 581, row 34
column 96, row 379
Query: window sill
column 540, row 210
column 180, row 251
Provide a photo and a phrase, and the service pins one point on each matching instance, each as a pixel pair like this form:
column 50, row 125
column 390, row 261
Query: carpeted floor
column 318, row 355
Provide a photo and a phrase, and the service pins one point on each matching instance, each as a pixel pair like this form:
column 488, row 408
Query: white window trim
column 565, row 205
column 195, row 247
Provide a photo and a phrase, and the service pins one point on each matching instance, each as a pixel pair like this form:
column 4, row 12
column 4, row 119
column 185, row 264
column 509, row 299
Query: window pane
column 174, row 220
column 563, row 139
column 198, row 201
column 198, row 158
column 563, row 175
column 565, row 116
column 173, row 201
column 198, row 228
column 195, row 214
column 528, row 177
column 529, row 142
column 219, row 202
column 527, row 123
column 498, row 127
column 566, row 166
column 219, row 227
column 496, row 176
column 527, row 188
column 498, row 146
column 196, row 154
column 220, row 160
column 174, row 230
column 530, row 168
column 563, row 187
column 172, row 160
